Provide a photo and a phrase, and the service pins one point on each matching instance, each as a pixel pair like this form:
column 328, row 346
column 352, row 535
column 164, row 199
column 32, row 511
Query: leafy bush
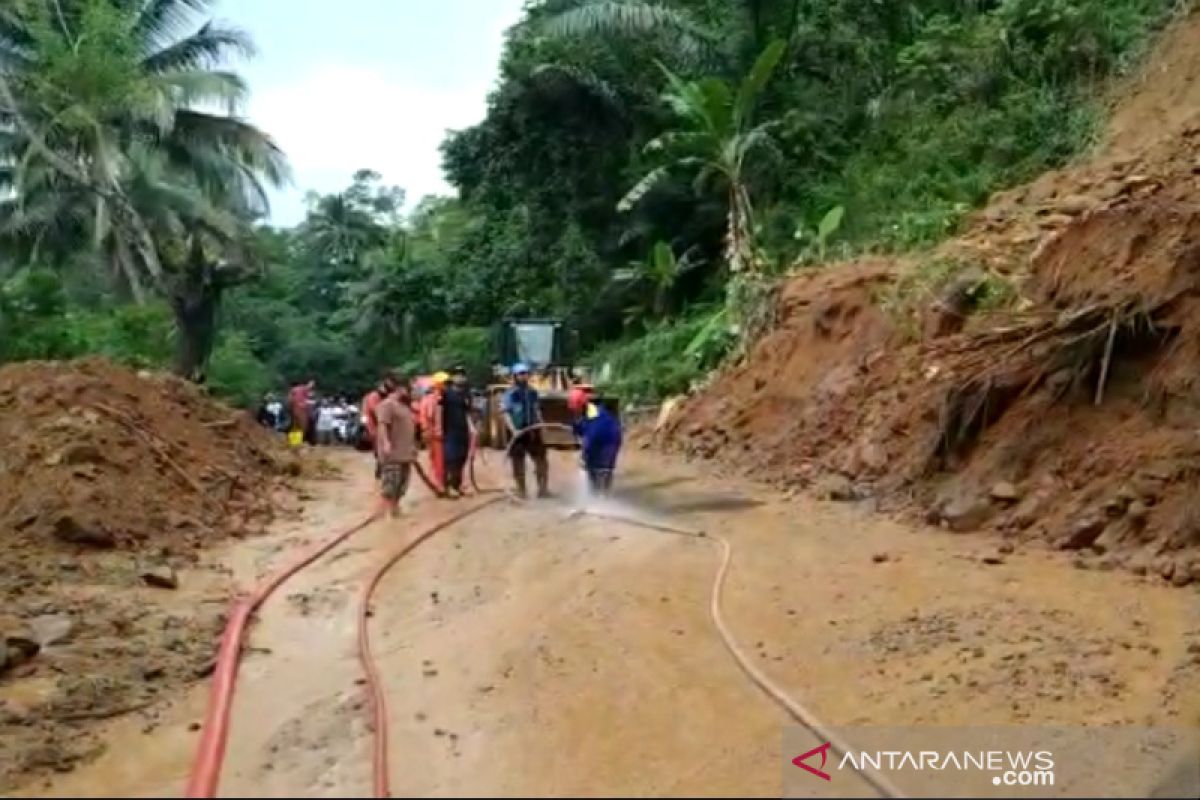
column 37, row 322
column 469, row 347
column 976, row 102
column 142, row 337
column 235, row 373
column 667, row 360
column 32, row 305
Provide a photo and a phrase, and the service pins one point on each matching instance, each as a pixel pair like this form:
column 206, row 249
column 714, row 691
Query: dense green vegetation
column 638, row 160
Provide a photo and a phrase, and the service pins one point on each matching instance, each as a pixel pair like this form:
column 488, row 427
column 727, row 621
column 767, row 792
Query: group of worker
column 444, row 417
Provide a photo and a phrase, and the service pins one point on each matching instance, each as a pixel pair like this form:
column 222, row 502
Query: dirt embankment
column 110, row 481
column 1069, row 417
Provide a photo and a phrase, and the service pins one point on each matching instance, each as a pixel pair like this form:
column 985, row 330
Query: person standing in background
column 395, row 447
column 326, row 419
column 457, row 431
column 431, row 428
column 266, row 416
column 298, row 401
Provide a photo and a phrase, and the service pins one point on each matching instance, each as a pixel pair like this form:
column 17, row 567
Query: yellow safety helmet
column 440, row 378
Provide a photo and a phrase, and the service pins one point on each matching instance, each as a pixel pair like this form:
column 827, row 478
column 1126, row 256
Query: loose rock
column 50, row 629
column 967, row 514
column 70, row 529
column 835, row 487
column 1076, row 204
column 15, row 651
column 1084, row 534
column 1005, row 492
column 161, row 578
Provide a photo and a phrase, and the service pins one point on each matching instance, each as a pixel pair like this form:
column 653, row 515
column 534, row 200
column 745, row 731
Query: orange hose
column 205, row 774
column 507, row 450
column 375, row 693
column 210, row 753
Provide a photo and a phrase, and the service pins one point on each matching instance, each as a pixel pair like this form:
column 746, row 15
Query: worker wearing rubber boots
column 431, row 427
column 599, row 433
column 521, row 412
column 457, row 431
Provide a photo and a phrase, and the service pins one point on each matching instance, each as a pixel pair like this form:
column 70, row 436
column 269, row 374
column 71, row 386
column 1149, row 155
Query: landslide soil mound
column 110, row 481
column 99, row 456
column 1066, row 417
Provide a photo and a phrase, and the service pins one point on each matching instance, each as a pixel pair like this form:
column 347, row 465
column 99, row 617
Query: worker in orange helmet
column 578, row 395
column 431, row 424
column 599, row 434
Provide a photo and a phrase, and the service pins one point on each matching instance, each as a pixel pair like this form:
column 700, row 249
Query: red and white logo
column 818, row 771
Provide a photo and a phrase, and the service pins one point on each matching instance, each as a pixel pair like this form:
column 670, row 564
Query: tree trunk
column 739, row 246
column 194, row 300
column 196, row 324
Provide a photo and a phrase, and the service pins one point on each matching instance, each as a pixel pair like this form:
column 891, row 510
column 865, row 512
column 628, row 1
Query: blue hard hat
column 520, row 367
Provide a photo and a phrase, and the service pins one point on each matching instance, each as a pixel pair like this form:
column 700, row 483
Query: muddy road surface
column 525, row 653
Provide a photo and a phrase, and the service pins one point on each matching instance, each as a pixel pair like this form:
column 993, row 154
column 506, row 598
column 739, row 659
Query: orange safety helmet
column 577, row 398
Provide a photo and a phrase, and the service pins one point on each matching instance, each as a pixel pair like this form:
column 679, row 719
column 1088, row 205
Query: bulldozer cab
column 544, row 345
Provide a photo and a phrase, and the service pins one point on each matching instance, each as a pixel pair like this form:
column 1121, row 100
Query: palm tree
column 340, row 233
column 118, row 124
column 728, row 48
column 715, row 141
column 342, row 229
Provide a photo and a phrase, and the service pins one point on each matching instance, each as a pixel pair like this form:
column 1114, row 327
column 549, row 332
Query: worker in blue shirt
column 521, row 411
column 599, row 432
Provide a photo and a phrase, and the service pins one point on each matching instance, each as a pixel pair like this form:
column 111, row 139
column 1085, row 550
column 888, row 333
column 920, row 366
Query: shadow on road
column 651, row 497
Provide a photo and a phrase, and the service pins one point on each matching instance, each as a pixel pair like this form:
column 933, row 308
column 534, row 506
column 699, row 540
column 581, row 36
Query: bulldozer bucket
column 555, row 410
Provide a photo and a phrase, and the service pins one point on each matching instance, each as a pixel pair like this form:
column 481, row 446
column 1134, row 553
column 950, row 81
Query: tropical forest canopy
column 638, row 162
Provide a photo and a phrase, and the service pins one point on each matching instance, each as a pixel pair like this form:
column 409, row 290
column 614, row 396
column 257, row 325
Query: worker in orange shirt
column 431, row 425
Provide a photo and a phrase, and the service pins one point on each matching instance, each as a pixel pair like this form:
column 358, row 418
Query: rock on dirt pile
column 110, row 480
column 1070, row 418
column 100, row 456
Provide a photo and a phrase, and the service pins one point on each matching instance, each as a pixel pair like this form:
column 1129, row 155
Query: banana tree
column 659, row 273
column 716, row 143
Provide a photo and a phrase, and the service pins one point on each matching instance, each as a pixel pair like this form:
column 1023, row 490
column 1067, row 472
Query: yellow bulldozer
column 547, row 347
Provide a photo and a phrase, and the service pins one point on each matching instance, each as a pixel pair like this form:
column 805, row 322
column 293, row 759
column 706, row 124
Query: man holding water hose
column 599, row 434
column 521, row 410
